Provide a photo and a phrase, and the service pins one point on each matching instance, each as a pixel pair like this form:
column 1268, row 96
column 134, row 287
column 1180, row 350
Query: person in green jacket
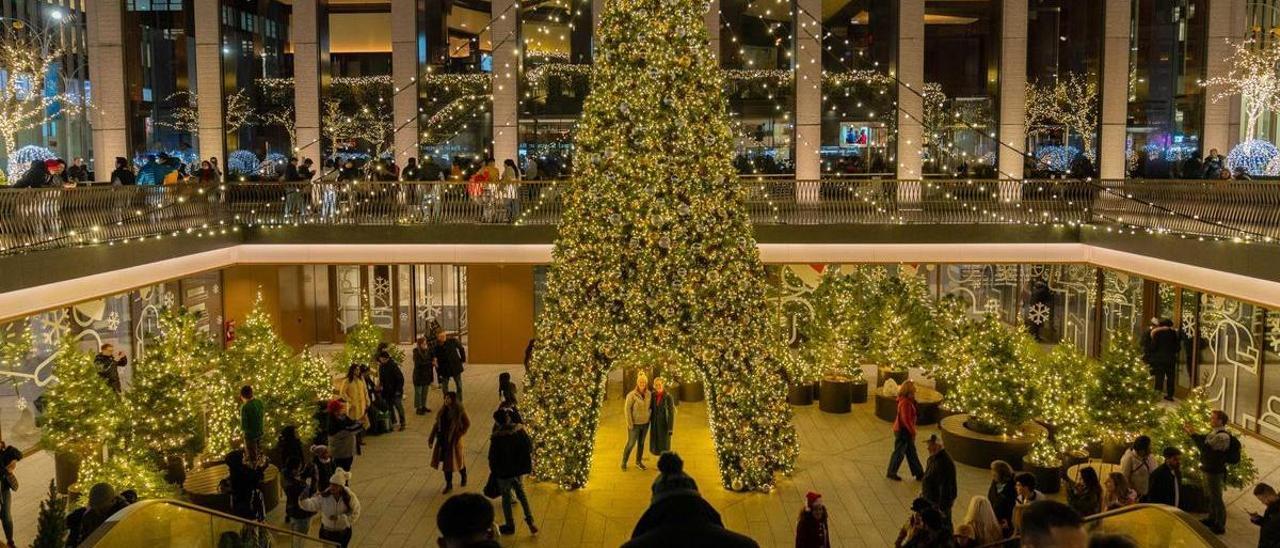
column 251, row 415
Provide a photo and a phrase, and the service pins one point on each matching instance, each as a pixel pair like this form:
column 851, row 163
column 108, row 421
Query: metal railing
column 34, row 219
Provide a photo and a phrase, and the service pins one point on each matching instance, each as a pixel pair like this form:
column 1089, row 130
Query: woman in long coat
column 356, row 394
column 446, row 440
column 662, row 418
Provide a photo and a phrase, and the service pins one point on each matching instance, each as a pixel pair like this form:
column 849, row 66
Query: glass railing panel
column 165, row 523
column 1155, row 525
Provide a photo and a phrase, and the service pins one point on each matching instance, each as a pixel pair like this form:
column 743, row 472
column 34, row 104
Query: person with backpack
column 1218, row 449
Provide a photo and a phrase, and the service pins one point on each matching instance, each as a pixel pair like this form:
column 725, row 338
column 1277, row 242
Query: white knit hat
column 340, row 477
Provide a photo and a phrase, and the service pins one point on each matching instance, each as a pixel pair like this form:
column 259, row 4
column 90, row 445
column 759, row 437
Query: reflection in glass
column 556, row 67
column 159, row 61
column 1166, row 101
column 859, row 115
column 756, row 42
column 454, row 95
column 1063, row 68
column 961, row 69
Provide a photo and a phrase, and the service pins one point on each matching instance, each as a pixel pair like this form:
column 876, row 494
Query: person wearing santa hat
column 811, row 530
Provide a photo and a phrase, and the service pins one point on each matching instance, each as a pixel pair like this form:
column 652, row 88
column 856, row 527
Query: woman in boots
column 446, row 440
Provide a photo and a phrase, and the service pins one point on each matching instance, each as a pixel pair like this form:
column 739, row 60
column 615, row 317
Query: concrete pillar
column 1013, row 92
column 910, row 74
column 1226, row 25
column 506, row 72
column 104, row 37
column 404, row 75
column 808, row 91
column 1115, row 90
column 713, row 29
column 211, row 139
column 309, row 30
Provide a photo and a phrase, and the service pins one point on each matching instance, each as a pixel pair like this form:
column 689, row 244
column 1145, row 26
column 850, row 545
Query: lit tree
column 656, row 245
column 82, row 412
column 902, row 325
column 1194, row 410
column 997, row 368
column 282, row 116
column 338, row 124
column 1070, row 103
column 1252, row 76
column 124, row 472
column 1064, row 380
column 184, row 115
column 936, row 118
column 51, row 525
column 362, row 342
column 1122, row 400
column 27, row 57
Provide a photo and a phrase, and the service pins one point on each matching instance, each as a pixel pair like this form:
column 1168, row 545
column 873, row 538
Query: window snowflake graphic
column 1038, row 313
column 381, row 288
column 1189, row 324
column 217, row 289
column 167, row 299
column 1273, row 332
column 431, row 280
column 113, row 320
column 20, row 403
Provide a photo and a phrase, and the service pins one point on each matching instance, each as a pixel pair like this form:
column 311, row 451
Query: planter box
column 800, row 395
column 883, row 374
column 66, row 470
column 928, row 406
column 977, row 449
column 860, row 392
column 835, row 396
column 692, row 392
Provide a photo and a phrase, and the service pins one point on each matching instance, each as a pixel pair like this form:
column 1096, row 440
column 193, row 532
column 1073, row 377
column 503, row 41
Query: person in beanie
column 342, row 431
column 811, row 530
column 510, row 458
column 338, row 507
column 671, row 477
column 423, row 374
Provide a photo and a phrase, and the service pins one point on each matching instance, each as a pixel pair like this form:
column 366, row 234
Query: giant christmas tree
column 656, row 246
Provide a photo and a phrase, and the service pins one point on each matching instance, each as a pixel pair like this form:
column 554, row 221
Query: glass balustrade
column 168, row 523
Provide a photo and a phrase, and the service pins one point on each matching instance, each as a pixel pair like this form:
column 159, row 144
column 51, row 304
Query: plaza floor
column 842, row 456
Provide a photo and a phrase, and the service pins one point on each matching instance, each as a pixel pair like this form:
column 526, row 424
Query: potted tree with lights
column 996, row 394
column 1193, row 411
column 899, row 334
column 1063, row 383
column 1122, row 402
column 835, row 335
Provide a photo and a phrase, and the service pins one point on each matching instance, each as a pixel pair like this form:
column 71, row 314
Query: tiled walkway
column 842, row 456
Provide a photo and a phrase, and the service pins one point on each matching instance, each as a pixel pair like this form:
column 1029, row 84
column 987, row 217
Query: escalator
column 1149, row 525
column 163, row 523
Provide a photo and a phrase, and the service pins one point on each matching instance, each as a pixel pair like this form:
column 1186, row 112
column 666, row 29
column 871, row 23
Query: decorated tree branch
column 28, row 56
column 1252, row 76
column 656, row 245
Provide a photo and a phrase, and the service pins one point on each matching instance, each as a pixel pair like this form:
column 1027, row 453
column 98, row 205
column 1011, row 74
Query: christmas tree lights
column 997, row 370
column 81, row 415
column 1194, row 411
column 1063, row 383
column 362, row 345
column 656, row 245
column 28, row 57
column 1122, row 400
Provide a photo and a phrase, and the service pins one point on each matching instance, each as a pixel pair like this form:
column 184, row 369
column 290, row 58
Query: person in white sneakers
column 338, row 508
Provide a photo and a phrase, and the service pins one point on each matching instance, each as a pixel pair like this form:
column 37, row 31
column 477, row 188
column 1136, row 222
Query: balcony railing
column 34, row 219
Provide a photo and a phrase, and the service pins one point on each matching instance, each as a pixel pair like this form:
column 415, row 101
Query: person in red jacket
column 904, row 434
column 811, row 530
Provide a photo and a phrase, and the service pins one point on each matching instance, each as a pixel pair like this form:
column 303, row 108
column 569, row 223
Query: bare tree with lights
column 27, row 57
column 1253, row 77
column 185, row 115
column 1069, row 103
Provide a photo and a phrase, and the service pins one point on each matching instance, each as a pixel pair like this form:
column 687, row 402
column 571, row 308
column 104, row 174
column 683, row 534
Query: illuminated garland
column 995, row 378
column 81, row 415
column 656, row 245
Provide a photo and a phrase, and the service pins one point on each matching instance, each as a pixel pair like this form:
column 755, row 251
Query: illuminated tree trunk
column 655, row 248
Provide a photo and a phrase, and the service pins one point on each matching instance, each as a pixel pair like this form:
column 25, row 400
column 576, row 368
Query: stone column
column 404, row 75
column 211, row 138
column 506, row 72
column 1115, row 90
column 713, row 29
column 109, row 115
column 808, row 91
column 1226, row 25
column 309, row 29
column 910, row 74
column 1013, row 92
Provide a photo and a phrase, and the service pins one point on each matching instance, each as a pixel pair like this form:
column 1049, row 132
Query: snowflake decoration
column 1273, row 332
column 20, row 403
column 167, row 299
column 113, row 320
column 1038, row 313
column 1189, row 324
column 217, row 289
column 992, row 306
column 381, row 288
column 404, row 316
column 431, row 280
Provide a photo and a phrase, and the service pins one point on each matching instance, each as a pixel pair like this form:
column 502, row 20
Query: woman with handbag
column 446, row 440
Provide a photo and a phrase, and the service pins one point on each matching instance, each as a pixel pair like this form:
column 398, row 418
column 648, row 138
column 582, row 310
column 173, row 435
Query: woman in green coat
column 662, row 418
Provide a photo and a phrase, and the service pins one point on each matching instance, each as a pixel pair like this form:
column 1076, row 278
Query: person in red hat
column 811, row 530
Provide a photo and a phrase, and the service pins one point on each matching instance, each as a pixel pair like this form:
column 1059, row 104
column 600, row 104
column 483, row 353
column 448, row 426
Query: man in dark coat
column 684, row 519
column 1165, row 483
column 423, row 374
column 450, row 358
column 1162, row 356
column 392, row 392
column 1269, row 521
column 510, row 458
column 109, row 365
column 939, row 483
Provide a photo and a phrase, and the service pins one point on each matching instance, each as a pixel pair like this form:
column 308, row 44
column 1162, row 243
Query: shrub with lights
column 656, row 245
column 1194, row 410
column 901, row 334
column 362, row 345
column 1122, row 401
column 20, row 160
column 242, row 163
column 996, row 371
column 1064, row 381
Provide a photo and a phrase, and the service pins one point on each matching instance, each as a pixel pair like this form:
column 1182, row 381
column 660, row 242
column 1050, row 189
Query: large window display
column 455, row 101
column 1064, row 50
column 859, row 113
column 961, row 74
column 555, row 52
column 159, row 61
column 255, row 38
column 756, row 44
column 1166, row 100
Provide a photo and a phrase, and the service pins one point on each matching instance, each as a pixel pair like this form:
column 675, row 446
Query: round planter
column 1112, row 451
column 941, row 386
column 928, row 406
column 859, row 392
column 883, row 374
column 977, row 449
column 66, row 470
column 800, row 395
column 835, row 396
column 692, row 392
column 1047, row 478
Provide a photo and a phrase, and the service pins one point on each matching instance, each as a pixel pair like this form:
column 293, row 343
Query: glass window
column 1056, row 303
column 257, row 77
column 454, row 96
column 961, row 69
column 756, row 41
column 1269, row 418
column 859, row 114
column 985, row 289
column 555, row 51
column 1063, row 66
column 1121, row 304
column 1230, row 356
column 159, row 57
column 1166, row 101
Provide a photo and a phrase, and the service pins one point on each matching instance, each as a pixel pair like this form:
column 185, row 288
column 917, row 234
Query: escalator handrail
column 1203, row 532
column 125, row 512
